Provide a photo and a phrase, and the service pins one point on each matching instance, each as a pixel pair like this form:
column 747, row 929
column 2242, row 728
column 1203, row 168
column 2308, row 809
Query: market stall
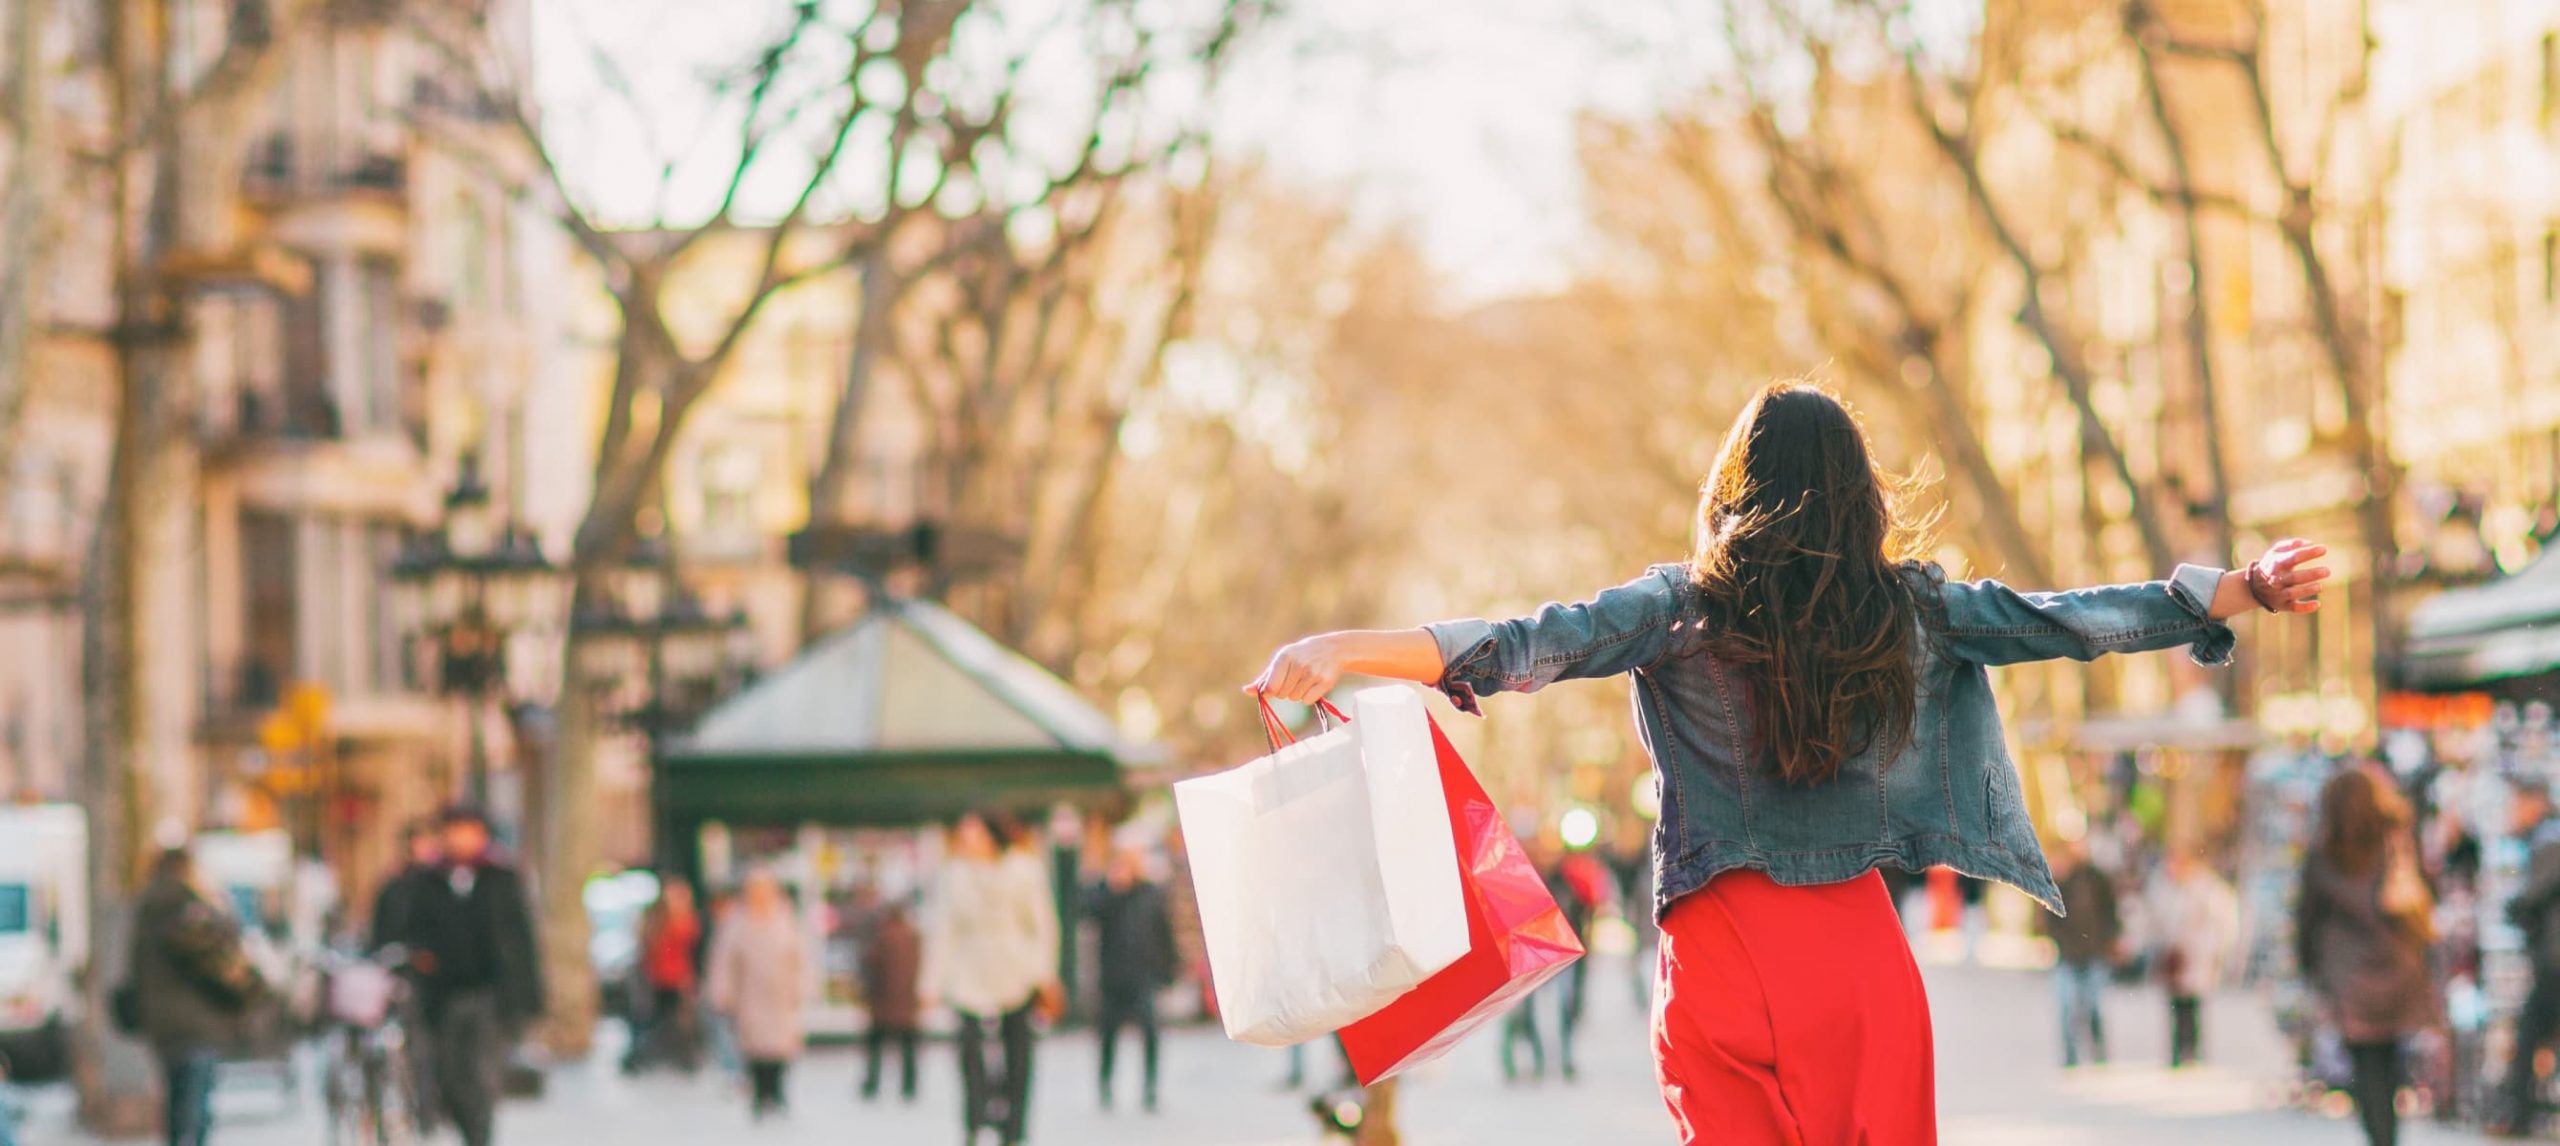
column 834, row 769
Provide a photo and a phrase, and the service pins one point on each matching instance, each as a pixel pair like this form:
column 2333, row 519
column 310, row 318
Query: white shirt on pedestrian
column 991, row 933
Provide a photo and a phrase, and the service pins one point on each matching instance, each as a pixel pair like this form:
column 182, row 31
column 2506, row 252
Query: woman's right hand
column 1304, row 670
column 2285, row 579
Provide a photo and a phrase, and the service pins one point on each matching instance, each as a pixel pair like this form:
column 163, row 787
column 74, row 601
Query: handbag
column 1518, row 939
column 1327, row 880
column 2404, row 895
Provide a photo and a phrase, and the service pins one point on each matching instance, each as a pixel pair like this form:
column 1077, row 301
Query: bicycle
column 367, row 1079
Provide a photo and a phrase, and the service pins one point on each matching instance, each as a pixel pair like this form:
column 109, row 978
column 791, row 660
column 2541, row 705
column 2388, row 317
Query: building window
column 269, row 587
column 2550, row 267
column 378, row 385
column 391, row 662
column 729, row 475
column 2550, row 77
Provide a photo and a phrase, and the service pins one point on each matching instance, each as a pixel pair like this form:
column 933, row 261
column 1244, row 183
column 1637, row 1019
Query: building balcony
column 353, row 196
column 240, row 700
column 378, row 475
column 38, row 539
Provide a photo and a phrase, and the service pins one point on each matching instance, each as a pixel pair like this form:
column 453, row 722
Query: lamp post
column 656, row 633
column 468, row 586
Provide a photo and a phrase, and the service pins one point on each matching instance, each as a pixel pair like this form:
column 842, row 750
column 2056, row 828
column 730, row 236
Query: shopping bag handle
column 1275, row 731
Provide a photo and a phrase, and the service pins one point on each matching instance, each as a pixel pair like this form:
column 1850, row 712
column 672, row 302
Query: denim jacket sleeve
column 1989, row 623
column 1619, row 630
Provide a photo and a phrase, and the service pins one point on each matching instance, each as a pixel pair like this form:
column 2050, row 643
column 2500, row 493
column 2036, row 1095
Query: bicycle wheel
column 342, row 1090
column 395, row 1120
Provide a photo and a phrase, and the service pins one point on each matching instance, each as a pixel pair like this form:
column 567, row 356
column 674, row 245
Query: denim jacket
column 1950, row 797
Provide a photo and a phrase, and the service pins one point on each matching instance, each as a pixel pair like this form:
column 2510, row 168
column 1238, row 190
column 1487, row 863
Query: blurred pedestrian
column 2198, row 923
column 393, row 909
column 2366, row 956
column 1138, row 960
column 2536, row 911
column 1559, row 995
column 1815, row 701
column 990, row 951
column 2087, row 941
column 479, row 971
column 756, row 966
column 891, row 963
column 421, row 850
column 1632, row 863
column 193, row 984
column 717, row 1030
column 671, row 936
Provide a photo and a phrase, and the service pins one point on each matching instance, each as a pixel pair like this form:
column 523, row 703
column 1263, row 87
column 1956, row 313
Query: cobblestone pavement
column 1998, row 1081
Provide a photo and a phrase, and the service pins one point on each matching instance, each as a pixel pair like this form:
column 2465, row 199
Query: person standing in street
column 193, row 984
column 393, row 909
column 2536, row 911
column 1631, row 863
column 990, row 951
column 392, row 905
column 756, row 966
column 670, row 954
column 2087, row 943
column 479, row 972
column 2367, row 961
column 1816, row 702
column 2198, row 918
column 892, row 962
column 1136, row 946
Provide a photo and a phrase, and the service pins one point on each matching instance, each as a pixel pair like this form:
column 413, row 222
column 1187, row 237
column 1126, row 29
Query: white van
column 44, row 935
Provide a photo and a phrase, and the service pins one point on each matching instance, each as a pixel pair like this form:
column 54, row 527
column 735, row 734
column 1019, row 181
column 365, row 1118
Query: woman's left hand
column 1304, row 671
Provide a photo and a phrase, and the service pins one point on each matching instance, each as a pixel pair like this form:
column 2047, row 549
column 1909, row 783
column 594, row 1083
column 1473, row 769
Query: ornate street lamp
column 652, row 631
column 468, row 586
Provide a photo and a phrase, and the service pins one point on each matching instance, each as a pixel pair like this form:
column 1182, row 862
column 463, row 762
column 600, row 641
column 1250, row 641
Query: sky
column 1455, row 117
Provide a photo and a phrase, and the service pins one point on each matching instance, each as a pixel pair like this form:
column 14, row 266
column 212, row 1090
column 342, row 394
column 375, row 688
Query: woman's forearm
column 2231, row 596
column 1397, row 654
column 1307, row 670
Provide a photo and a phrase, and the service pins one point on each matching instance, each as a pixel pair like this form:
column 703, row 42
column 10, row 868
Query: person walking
column 757, row 962
column 1135, row 941
column 670, row 953
column 2088, row 941
column 1560, row 995
column 2198, row 921
column 393, row 912
column 2535, row 911
column 1631, row 863
column 892, row 961
column 1816, row 703
column 193, row 984
column 2360, row 943
column 479, row 972
column 990, row 951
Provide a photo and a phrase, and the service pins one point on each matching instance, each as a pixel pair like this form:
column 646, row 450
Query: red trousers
column 1793, row 1015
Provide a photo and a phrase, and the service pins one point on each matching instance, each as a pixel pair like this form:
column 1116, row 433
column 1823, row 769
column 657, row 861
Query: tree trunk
column 571, row 846
column 25, row 217
column 880, row 288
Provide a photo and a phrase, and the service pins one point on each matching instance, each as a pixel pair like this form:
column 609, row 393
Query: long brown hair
column 1800, row 560
column 2359, row 812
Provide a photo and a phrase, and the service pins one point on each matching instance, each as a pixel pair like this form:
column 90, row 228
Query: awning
column 2509, row 627
column 909, row 715
column 2131, row 732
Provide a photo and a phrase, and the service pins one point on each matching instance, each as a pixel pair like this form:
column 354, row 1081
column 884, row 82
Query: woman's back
column 1946, row 795
column 2367, row 964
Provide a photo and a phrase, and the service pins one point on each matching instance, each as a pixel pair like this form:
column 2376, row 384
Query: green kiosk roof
column 908, row 716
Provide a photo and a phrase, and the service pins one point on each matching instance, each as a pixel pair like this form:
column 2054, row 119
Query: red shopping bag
column 1518, row 939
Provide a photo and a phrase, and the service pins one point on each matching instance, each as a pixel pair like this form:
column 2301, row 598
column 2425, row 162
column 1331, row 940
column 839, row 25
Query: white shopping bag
column 1327, row 876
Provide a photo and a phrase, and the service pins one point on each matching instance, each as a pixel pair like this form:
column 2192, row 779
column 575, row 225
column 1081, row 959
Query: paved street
column 1999, row 1084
